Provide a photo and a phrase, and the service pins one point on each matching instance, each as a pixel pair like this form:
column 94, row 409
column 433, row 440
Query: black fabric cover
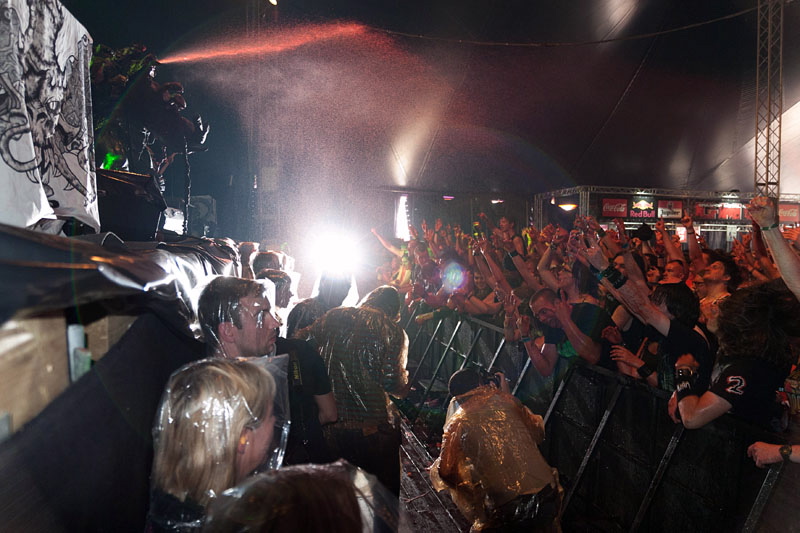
column 84, row 463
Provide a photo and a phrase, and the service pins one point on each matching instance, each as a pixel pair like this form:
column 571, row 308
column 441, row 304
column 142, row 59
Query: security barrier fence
column 623, row 463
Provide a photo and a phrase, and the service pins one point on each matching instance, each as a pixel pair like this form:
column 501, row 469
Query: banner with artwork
column 706, row 211
column 47, row 169
column 670, row 209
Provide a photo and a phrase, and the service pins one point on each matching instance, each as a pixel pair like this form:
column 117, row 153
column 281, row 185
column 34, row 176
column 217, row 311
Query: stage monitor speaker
column 130, row 204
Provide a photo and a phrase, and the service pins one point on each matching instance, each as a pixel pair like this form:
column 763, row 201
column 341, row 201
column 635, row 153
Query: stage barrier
column 624, row 465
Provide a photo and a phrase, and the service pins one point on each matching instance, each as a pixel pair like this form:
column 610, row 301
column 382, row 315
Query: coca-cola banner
column 615, row 207
column 670, row 209
column 643, row 208
column 789, row 213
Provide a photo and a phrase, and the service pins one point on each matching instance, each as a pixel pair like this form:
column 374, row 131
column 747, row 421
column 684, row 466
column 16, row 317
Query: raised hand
column 623, row 355
column 686, row 220
column 762, row 211
column 612, row 334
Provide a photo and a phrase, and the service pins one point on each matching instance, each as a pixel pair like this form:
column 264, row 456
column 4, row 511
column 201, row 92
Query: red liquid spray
column 268, row 44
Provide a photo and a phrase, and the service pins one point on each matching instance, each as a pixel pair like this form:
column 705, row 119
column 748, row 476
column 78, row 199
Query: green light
column 110, row 160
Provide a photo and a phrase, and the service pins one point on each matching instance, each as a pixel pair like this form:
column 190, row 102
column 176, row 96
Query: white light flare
column 334, row 252
column 401, row 218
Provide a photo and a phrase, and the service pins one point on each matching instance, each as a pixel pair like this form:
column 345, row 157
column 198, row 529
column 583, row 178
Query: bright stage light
column 401, row 218
column 568, row 207
column 334, row 252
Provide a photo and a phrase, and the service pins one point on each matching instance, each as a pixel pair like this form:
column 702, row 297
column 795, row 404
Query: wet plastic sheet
column 365, row 353
column 213, row 429
column 40, row 272
column 490, row 453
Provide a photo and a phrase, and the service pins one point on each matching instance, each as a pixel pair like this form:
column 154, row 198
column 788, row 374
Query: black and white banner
column 47, row 170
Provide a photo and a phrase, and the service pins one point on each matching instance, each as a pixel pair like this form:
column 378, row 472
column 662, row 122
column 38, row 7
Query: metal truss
column 769, row 98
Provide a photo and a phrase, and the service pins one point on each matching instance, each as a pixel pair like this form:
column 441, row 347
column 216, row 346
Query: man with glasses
column 237, row 321
column 570, row 330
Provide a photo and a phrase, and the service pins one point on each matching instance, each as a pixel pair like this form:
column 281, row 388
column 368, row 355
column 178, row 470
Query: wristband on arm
column 644, row 371
column 686, row 382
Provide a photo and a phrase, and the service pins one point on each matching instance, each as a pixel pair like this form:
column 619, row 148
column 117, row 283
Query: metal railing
column 618, row 453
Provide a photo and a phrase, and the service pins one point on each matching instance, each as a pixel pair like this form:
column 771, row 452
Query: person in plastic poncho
column 490, row 460
column 365, row 353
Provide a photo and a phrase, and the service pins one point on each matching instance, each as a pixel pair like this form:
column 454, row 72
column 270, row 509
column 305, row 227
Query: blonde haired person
column 214, row 427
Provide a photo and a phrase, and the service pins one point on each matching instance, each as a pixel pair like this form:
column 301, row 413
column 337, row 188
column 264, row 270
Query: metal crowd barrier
column 623, row 463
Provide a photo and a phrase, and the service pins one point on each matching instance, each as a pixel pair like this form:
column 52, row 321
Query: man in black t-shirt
column 754, row 328
column 570, row 330
column 236, row 317
column 308, row 381
column 749, row 386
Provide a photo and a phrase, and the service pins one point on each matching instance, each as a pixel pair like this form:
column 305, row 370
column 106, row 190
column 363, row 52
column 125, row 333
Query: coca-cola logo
column 614, row 207
column 789, row 212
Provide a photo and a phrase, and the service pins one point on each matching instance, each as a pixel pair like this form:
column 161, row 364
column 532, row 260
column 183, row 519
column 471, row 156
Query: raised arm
column 633, row 293
column 695, row 253
column 584, row 346
column 673, row 252
column 386, row 244
column 522, row 268
column 764, row 213
column 543, row 268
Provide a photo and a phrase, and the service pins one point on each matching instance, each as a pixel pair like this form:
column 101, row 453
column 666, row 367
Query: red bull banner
column 642, row 208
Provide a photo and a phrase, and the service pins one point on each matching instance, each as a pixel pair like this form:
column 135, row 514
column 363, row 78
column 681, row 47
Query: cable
column 573, row 43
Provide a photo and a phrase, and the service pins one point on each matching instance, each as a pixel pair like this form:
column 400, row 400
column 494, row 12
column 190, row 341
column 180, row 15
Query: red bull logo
column 642, row 205
column 643, row 208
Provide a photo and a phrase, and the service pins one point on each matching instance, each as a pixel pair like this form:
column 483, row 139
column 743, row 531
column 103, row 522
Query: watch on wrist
column 786, row 451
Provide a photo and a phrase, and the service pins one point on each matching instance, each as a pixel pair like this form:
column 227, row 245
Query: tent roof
column 522, row 95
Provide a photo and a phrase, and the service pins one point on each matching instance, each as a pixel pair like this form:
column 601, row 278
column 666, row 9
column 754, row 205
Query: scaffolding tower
column 769, row 98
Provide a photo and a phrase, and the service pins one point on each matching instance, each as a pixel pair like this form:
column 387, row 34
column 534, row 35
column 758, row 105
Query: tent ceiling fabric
column 647, row 107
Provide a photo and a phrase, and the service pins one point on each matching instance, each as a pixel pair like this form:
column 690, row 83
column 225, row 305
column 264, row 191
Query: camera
column 488, row 377
column 477, row 232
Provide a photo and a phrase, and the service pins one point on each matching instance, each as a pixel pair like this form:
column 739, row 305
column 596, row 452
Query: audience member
column 333, row 289
column 214, row 427
column 365, row 352
column 755, row 325
column 570, row 330
column 490, row 461
column 235, row 315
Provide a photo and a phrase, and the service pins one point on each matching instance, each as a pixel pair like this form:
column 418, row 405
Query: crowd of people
column 717, row 328
column 629, row 301
column 228, row 423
